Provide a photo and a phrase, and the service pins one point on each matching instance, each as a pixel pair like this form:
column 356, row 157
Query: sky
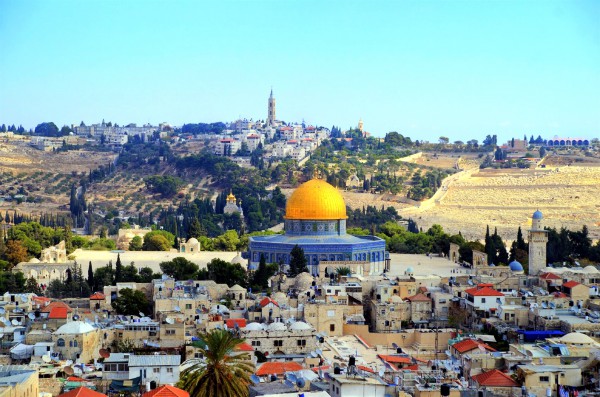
column 460, row 69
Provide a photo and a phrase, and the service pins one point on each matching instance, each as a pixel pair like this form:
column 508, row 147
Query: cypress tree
column 118, row 269
column 90, row 278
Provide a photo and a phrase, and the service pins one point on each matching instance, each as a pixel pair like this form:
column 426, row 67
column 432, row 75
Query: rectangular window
column 169, row 370
column 544, row 379
column 331, row 327
column 482, row 300
column 170, row 332
column 301, row 342
column 278, row 343
column 188, row 306
column 156, row 370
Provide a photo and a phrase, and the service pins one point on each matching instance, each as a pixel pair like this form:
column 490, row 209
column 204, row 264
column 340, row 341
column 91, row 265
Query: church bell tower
column 272, row 117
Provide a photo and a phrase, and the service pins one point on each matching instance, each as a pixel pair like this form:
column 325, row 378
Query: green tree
column 298, row 262
column 260, row 279
column 156, row 243
column 195, row 229
column 223, row 272
column 118, row 270
column 223, row 372
column 131, row 302
column 228, row 241
column 32, row 286
column 136, row 244
column 179, row 268
column 90, row 279
column 12, row 281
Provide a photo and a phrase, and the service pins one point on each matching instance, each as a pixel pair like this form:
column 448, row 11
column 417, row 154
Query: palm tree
column 222, row 371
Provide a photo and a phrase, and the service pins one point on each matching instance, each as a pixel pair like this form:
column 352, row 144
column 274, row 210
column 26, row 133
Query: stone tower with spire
column 537, row 239
column 272, row 117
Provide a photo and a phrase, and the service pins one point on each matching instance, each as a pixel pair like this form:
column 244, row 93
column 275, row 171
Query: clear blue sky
column 461, row 69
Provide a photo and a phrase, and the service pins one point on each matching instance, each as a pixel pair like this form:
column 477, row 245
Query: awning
column 126, row 385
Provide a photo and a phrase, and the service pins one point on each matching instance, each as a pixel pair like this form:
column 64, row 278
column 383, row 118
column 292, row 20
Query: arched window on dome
column 60, row 342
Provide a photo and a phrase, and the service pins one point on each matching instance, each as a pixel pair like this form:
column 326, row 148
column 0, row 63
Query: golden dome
column 230, row 196
column 316, row 200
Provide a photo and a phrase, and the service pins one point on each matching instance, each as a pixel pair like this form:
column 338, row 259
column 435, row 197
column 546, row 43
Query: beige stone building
column 18, row 381
column 125, row 236
column 77, row 341
column 297, row 337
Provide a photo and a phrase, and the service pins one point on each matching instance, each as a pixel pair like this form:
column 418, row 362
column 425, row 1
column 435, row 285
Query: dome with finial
column 515, row 266
column 316, row 200
column 538, row 215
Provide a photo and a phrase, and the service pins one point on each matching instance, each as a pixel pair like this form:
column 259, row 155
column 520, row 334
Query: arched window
column 74, row 343
column 60, row 342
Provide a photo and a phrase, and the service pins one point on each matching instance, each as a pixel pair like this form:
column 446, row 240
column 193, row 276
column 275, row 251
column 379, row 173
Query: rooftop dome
column 590, row 269
column 277, row 327
column 192, row 241
column 254, row 327
column 538, row 215
column 515, row 266
column 303, row 281
column 299, row 326
column 577, row 338
column 238, row 260
column 34, row 260
column 409, row 270
column 74, row 328
column 316, row 200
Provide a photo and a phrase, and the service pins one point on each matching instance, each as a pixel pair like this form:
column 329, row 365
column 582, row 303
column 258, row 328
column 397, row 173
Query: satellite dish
column 6, row 321
column 289, row 384
column 381, row 372
column 31, row 316
column 75, row 317
column 142, row 314
column 314, row 354
column 290, row 376
column 2, row 311
column 15, row 322
column 225, row 327
column 255, row 379
column 177, row 308
column 300, row 382
column 104, row 353
column 68, row 370
column 319, row 351
column 169, row 320
column 24, row 298
column 198, row 311
column 46, row 358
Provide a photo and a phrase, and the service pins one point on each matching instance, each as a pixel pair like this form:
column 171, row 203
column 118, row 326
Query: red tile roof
column 549, row 276
column 395, row 359
column 494, row 378
column 53, row 304
column 58, row 313
column 98, row 296
column 367, row 369
column 278, row 368
column 483, row 290
column 570, row 284
column 166, row 391
column 469, row 344
column 244, row 347
column 82, row 392
column 560, row 295
column 241, row 322
column 323, row 367
column 418, row 298
column 266, row 301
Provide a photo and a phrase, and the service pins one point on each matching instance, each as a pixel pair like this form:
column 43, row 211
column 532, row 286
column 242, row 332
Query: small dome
column 192, row 241
column 492, row 265
column 277, row 327
column 590, row 269
column 577, row 338
column 34, row 260
column 515, row 266
column 538, row 215
column 254, row 327
column 237, row 287
column 303, row 281
column 238, row 260
column 300, row 326
column 409, row 270
column 74, row 328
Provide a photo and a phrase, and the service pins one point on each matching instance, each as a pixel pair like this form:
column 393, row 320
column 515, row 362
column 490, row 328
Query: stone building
column 297, row 337
column 538, row 239
column 55, row 254
column 77, row 341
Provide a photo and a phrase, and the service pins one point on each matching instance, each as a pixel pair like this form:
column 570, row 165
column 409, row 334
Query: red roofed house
column 82, row 392
column 398, row 362
column 550, row 280
column 278, row 368
column 56, row 312
column 166, row 391
column 244, row 347
column 493, row 379
column 96, row 299
column 579, row 293
column 483, row 300
column 232, row 322
column 470, row 346
column 420, row 307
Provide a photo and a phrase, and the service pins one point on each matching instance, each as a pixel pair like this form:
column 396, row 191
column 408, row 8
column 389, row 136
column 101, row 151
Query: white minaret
column 538, row 239
column 272, row 117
